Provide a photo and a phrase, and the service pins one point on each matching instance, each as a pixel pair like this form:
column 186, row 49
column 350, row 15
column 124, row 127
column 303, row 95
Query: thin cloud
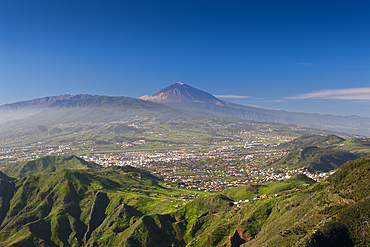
column 326, row 65
column 231, row 96
column 344, row 94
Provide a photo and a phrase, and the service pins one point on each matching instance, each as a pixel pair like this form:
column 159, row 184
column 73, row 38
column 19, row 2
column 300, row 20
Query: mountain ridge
column 87, row 109
column 180, row 100
column 50, row 101
column 47, row 165
column 177, row 96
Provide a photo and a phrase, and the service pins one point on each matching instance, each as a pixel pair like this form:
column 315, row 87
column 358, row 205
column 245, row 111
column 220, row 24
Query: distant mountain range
column 176, row 100
column 186, row 98
column 67, row 108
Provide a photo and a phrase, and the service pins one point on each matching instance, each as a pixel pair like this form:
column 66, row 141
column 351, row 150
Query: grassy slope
column 75, row 207
column 316, row 159
column 46, row 165
column 320, row 215
column 321, row 153
column 313, row 140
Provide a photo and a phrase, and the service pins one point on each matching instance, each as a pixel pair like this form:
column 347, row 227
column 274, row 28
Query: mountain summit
column 180, row 92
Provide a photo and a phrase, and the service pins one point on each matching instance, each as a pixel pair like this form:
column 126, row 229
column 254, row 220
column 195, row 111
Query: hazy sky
column 301, row 55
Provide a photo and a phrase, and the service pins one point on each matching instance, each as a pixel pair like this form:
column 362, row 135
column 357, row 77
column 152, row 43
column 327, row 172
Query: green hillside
column 315, row 159
column 313, row 141
column 46, row 165
column 76, row 208
column 356, row 145
column 272, row 188
column 348, row 226
column 329, row 141
column 353, row 179
column 126, row 206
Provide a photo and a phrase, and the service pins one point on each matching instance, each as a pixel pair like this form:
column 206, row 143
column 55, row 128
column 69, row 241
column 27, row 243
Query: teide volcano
column 186, row 98
column 180, row 92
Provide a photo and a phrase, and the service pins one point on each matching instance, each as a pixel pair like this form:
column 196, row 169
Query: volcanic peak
column 181, row 92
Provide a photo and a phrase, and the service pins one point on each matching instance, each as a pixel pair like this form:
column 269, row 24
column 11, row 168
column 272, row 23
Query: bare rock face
column 180, row 92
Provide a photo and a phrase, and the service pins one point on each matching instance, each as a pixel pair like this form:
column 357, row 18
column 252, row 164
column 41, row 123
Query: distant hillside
column 354, row 145
column 313, row 141
column 89, row 109
column 315, row 159
column 46, row 101
column 47, row 165
column 24, row 109
column 272, row 188
column 347, row 124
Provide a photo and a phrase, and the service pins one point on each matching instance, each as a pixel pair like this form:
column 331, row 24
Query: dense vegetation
column 46, row 165
column 126, row 206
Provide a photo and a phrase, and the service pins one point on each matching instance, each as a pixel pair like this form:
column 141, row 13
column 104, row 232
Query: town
column 211, row 171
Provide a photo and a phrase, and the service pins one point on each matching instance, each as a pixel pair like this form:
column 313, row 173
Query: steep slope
column 47, row 165
column 320, row 215
column 72, row 207
column 352, row 179
column 4, row 177
column 349, row 225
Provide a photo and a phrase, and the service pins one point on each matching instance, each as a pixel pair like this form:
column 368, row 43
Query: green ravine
column 126, row 206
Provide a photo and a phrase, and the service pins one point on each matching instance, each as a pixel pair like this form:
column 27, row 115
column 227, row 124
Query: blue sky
column 303, row 56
